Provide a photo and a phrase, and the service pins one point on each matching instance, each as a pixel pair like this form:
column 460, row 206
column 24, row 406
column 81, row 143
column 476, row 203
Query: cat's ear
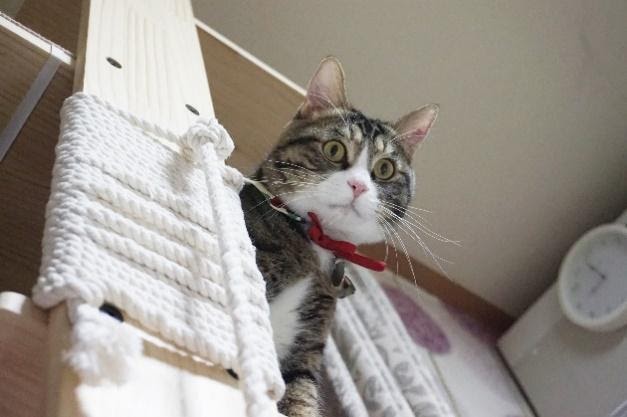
column 414, row 127
column 325, row 89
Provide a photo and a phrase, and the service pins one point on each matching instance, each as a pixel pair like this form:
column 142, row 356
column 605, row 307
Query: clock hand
column 601, row 275
column 595, row 270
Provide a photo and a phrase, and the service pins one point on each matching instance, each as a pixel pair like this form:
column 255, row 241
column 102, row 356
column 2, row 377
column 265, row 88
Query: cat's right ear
column 325, row 90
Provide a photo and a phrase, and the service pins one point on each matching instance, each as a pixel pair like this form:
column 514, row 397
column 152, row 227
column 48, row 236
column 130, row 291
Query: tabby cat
column 355, row 174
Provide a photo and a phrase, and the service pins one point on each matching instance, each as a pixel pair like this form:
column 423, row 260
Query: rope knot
column 204, row 131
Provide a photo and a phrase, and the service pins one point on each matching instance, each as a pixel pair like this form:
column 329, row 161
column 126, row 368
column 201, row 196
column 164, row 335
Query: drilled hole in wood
column 114, row 62
column 192, row 109
column 112, row 311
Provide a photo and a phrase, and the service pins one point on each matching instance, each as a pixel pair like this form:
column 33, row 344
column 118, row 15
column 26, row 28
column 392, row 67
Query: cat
column 355, row 174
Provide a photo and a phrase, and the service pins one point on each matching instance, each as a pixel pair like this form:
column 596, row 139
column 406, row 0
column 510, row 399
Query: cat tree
column 140, row 189
column 139, row 63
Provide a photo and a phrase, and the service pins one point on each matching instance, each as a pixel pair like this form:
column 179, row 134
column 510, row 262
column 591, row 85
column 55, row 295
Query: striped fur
column 297, row 171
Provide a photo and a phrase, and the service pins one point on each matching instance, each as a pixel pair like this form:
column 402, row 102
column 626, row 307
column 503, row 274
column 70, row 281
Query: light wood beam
column 143, row 57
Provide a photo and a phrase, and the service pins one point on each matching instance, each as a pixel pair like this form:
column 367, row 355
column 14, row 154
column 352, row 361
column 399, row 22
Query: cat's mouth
column 346, row 207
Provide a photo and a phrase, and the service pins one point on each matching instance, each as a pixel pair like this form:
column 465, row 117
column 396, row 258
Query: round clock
column 592, row 283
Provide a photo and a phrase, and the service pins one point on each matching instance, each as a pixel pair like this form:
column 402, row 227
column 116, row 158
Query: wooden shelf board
column 25, row 171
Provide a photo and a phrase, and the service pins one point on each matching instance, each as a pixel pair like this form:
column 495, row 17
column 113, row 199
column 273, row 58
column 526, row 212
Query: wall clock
column 592, row 282
column 565, row 368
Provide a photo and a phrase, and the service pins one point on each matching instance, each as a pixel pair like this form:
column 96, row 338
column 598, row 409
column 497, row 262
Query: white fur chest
column 284, row 315
column 284, row 308
column 325, row 258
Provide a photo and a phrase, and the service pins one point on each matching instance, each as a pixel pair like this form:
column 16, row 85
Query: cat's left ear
column 325, row 90
column 413, row 128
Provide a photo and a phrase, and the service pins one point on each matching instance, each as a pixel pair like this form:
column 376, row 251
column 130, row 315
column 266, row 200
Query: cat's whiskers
column 267, row 199
column 387, row 248
column 417, row 217
column 410, row 211
column 271, row 213
column 425, row 248
column 419, row 222
column 296, row 183
column 297, row 166
column 411, row 208
column 414, row 236
column 422, row 228
column 287, row 173
column 291, row 171
column 427, row 251
column 386, row 227
column 385, row 236
column 407, row 228
column 296, row 173
column 406, row 253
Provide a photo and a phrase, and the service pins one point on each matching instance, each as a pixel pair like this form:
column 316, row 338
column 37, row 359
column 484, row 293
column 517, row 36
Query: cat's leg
column 301, row 396
column 301, row 367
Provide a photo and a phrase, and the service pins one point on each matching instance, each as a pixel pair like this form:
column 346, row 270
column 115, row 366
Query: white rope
column 245, row 317
column 135, row 224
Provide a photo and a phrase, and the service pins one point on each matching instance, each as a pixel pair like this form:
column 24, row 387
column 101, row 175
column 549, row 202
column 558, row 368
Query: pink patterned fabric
column 420, row 326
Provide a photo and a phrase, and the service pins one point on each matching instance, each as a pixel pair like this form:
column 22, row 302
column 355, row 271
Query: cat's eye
column 334, row 150
column 384, row 169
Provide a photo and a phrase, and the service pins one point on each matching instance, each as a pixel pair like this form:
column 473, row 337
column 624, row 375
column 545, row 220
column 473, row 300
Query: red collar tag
column 340, row 248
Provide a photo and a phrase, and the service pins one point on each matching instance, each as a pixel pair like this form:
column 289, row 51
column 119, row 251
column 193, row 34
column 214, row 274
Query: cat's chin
column 352, row 225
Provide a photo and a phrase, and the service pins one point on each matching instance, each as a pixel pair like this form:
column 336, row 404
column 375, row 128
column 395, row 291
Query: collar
column 340, row 248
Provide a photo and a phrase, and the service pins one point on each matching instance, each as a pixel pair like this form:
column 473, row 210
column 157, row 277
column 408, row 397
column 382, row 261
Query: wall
column 531, row 146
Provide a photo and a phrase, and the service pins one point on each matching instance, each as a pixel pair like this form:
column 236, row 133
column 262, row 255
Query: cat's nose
column 357, row 186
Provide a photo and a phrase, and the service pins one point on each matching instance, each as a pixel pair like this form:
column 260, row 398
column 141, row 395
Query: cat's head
column 353, row 171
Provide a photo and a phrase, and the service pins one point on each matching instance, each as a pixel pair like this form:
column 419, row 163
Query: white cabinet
column 565, row 370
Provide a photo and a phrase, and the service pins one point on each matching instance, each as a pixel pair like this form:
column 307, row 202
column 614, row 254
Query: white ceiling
column 530, row 149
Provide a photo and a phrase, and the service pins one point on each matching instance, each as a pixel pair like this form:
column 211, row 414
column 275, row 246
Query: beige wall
column 531, row 146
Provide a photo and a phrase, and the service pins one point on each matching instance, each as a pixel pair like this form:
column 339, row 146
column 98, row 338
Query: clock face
column 594, row 281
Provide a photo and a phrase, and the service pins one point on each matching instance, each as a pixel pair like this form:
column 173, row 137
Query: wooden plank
column 254, row 103
column 25, row 171
column 22, row 58
column 160, row 71
column 22, row 357
column 165, row 380
column 55, row 20
column 24, row 189
column 61, row 383
column 156, row 46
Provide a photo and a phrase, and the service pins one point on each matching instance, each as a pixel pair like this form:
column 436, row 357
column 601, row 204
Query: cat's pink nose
column 358, row 187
